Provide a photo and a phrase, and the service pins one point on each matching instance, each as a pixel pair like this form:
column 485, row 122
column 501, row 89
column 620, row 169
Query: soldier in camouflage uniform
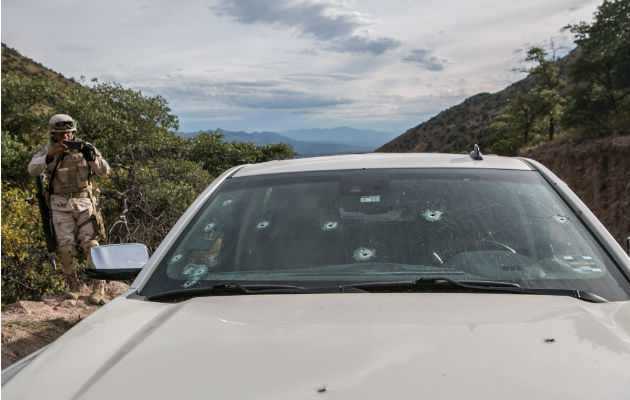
column 72, row 197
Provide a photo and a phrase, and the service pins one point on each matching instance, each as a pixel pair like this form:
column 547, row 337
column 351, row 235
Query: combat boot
column 74, row 286
column 69, row 266
column 98, row 293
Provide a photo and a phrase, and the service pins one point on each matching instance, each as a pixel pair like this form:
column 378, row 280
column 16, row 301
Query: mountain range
column 316, row 142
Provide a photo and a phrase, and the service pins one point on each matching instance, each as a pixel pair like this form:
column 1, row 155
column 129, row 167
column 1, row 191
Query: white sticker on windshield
column 364, row 254
column 582, row 264
column 370, row 199
column 194, row 273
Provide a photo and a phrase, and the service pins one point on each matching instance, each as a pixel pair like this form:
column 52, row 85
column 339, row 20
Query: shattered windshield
column 329, row 228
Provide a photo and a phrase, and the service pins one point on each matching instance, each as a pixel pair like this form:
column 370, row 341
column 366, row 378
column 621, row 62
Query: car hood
column 339, row 346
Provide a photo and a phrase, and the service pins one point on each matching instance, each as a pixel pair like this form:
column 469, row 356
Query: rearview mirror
column 118, row 261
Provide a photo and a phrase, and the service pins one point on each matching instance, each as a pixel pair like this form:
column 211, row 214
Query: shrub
column 27, row 272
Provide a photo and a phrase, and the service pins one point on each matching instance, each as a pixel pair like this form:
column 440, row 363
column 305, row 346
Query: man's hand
column 56, row 148
column 89, row 152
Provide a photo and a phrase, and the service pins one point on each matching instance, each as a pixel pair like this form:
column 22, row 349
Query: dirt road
column 30, row 325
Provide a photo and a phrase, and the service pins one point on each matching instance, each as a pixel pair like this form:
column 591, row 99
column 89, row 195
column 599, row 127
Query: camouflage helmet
column 61, row 123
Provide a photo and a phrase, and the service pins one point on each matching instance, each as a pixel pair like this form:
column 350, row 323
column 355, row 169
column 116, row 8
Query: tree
column 216, row 156
column 530, row 116
column 26, row 102
column 601, row 73
column 548, row 86
column 116, row 119
column 515, row 126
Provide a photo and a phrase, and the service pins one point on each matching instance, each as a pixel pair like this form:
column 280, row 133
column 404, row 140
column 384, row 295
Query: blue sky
column 275, row 65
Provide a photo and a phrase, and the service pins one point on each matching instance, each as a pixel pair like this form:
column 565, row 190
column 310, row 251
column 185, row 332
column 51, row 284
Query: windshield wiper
column 227, row 289
column 432, row 283
column 223, row 289
column 440, row 284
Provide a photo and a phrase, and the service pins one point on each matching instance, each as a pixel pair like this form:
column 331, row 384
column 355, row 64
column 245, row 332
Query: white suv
column 384, row 276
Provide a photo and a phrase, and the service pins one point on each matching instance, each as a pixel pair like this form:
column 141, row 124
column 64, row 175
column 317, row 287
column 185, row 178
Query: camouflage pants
column 71, row 219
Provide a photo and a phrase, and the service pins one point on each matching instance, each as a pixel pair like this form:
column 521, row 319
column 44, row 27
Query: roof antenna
column 476, row 154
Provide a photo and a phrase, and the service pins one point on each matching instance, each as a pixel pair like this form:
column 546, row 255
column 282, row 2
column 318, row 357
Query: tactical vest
column 72, row 174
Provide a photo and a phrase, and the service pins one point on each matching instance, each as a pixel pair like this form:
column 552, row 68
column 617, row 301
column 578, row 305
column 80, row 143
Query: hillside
column 455, row 130
column 12, row 61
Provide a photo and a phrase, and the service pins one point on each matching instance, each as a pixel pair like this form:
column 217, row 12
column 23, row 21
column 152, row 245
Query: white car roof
column 382, row 160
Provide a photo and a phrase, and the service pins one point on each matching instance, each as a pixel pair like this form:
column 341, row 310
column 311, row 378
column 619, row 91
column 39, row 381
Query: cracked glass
column 337, row 227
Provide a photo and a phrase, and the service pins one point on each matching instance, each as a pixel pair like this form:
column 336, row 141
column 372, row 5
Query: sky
column 275, row 65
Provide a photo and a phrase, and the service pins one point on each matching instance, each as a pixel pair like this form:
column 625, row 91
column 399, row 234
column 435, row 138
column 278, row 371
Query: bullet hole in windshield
column 329, row 226
column 209, row 231
column 209, row 228
column 364, row 254
column 433, row 215
column 176, row 258
column 562, row 219
column 262, row 225
column 227, row 203
column 194, row 273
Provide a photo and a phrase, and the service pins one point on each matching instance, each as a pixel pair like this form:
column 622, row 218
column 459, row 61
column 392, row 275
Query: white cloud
column 425, row 59
column 280, row 64
column 321, row 21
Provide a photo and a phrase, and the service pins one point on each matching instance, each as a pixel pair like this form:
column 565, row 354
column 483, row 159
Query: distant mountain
column 303, row 148
column 342, row 135
column 456, row 129
column 316, row 142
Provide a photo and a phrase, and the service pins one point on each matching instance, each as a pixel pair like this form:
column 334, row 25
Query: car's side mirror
column 118, row 261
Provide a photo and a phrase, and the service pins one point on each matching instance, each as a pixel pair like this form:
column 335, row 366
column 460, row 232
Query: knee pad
column 87, row 245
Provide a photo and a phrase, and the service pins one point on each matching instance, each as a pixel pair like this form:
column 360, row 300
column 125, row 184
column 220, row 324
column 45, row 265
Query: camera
column 73, row 144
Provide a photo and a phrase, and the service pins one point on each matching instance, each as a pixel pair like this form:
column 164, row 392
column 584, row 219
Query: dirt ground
column 29, row 325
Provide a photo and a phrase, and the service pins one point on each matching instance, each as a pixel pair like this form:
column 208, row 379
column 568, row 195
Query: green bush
column 27, row 272
column 15, row 158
